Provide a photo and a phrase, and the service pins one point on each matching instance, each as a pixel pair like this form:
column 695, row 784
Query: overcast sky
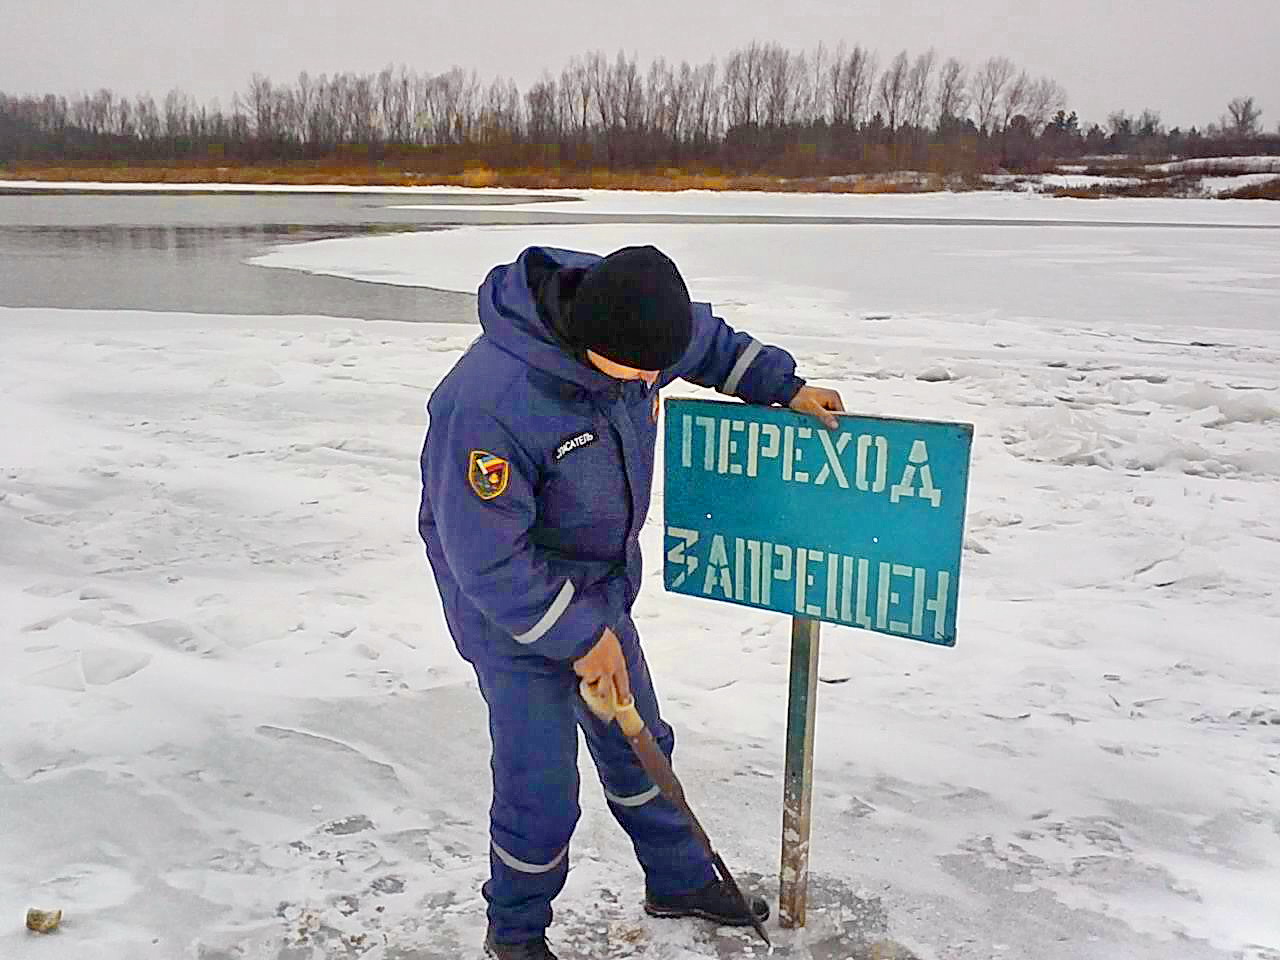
column 1185, row 58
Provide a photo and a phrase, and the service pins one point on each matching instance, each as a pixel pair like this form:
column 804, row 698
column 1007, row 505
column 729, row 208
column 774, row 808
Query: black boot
column 714, row 902
column 528, row 950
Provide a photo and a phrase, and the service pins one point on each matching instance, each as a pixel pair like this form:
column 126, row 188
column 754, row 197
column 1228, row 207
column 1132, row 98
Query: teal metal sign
column 861, row 526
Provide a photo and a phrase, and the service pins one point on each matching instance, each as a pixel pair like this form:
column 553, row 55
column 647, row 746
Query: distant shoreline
column 485, row 177
column 1228, row 178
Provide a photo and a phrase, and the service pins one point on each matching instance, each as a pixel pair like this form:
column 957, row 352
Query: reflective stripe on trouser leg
column 635, row 800
column 673, row 859
column 515, row 863
column 535, row 789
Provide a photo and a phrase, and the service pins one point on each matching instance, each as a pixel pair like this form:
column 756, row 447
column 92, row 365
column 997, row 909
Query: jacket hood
column 509, row 317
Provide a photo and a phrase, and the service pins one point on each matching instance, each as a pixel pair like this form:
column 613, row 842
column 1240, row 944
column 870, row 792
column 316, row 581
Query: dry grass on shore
column 1258, row 191
column 484, row 177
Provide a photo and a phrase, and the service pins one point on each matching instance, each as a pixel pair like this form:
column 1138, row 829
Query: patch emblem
column 488, row 474
column 570, row 444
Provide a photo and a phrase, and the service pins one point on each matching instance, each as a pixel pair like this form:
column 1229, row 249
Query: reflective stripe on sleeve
column 515, row 863
column 635, row 800
column 558, row 606
column 749, row 353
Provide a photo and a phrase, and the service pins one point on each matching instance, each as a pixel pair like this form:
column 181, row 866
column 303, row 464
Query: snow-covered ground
column 1058, row 181
column 232, row 724
column 1262, row 164
column 1214, row 186
column 1199, row 187
column 1048, row 182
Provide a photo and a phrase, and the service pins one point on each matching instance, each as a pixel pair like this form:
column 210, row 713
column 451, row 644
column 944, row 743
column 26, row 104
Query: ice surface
column 976, row 205
column 232, row 723
column 972, row 278
column 96, row 186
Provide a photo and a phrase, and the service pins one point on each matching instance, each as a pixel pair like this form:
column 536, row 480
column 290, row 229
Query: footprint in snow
column 105, row 665
column 177, row 635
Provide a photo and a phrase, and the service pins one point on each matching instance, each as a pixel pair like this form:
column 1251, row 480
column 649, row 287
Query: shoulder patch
column 574, row 442
column 488, row 474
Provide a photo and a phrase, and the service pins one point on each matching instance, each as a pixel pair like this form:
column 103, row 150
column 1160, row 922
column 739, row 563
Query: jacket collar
column 510, row 316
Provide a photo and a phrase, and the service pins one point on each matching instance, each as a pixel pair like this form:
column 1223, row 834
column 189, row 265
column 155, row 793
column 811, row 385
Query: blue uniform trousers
column 534, row 715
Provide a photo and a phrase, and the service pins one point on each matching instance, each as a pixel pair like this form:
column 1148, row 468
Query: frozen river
column 187, row 251
column 232, row 723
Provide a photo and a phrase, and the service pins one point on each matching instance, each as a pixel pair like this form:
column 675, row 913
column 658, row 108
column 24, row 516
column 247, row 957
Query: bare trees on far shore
column 1242, row 117
column 764, row 109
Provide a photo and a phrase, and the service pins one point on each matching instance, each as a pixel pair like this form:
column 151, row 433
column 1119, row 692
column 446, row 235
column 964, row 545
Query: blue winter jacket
column 537, row 470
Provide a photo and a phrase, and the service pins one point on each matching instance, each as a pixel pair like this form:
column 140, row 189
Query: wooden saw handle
column 602, row 698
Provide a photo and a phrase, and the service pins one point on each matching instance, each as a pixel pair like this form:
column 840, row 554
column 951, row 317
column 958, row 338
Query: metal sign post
column 797, row 790
column 861, row 526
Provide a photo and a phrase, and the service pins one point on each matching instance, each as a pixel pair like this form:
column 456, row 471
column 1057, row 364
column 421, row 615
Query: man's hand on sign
column 605, row 662
column 818, row 402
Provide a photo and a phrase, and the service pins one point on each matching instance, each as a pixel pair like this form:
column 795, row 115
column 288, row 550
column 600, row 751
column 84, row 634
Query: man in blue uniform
column 536, row 475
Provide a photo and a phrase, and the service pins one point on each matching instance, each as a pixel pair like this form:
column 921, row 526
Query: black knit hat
column 633, row 308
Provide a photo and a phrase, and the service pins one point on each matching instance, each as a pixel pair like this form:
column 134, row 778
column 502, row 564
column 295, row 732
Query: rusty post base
column 797, row 796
